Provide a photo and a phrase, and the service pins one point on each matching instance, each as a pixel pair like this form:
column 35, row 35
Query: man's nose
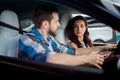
column 59, row 24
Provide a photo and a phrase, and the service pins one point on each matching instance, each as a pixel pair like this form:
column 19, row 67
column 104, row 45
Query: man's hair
column 43, row 12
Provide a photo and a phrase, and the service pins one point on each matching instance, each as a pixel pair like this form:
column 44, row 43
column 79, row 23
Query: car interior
column 16, row 20
column 9, row 38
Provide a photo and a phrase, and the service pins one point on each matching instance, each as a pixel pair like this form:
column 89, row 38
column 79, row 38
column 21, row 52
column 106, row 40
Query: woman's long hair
column 69, row 32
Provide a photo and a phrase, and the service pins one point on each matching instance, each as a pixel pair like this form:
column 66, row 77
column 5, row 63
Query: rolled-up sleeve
column 67, row 49
column 71, row 50
column 61, row 48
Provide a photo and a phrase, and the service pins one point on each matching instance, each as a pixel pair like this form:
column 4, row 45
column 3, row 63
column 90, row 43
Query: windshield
column 112, row 5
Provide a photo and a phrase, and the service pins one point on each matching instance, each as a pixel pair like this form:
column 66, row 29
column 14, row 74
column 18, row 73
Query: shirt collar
column 40, row 36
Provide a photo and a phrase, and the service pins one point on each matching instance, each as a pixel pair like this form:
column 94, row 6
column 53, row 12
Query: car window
column 112, row 5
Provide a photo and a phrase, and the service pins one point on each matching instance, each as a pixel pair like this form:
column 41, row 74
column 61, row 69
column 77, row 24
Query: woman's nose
column 79, row 28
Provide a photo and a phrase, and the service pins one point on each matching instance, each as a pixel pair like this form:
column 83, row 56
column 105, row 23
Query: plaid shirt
column 36, row 47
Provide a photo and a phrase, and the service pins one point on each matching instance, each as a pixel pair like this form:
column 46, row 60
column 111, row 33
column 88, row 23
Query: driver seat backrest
column 8, row 37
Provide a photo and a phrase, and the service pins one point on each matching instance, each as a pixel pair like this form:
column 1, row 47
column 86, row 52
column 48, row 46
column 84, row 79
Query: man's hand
column 95, row 59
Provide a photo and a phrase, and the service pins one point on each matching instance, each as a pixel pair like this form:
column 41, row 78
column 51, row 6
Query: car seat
column 60, row 33
column 8, row 37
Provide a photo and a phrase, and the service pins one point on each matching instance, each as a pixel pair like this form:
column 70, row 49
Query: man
column 41, row 46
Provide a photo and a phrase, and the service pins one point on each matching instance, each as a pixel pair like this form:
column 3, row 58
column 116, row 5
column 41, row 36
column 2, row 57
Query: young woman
column 77, row 32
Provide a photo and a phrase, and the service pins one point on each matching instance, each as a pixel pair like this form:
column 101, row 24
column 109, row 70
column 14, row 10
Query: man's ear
column 45, row 23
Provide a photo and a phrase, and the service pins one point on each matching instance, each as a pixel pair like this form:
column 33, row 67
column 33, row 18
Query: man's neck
column 44, row 33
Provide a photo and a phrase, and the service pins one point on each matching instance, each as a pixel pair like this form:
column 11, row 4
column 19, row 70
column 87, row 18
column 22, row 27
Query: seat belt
column 12, row 27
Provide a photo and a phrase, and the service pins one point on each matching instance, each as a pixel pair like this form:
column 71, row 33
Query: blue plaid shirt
column 35, row 46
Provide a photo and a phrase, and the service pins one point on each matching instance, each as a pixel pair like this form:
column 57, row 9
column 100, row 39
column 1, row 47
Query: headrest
column 9, row 17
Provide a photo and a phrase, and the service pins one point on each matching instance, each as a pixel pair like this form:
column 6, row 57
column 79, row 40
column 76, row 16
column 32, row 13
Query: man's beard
column 52, row 33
